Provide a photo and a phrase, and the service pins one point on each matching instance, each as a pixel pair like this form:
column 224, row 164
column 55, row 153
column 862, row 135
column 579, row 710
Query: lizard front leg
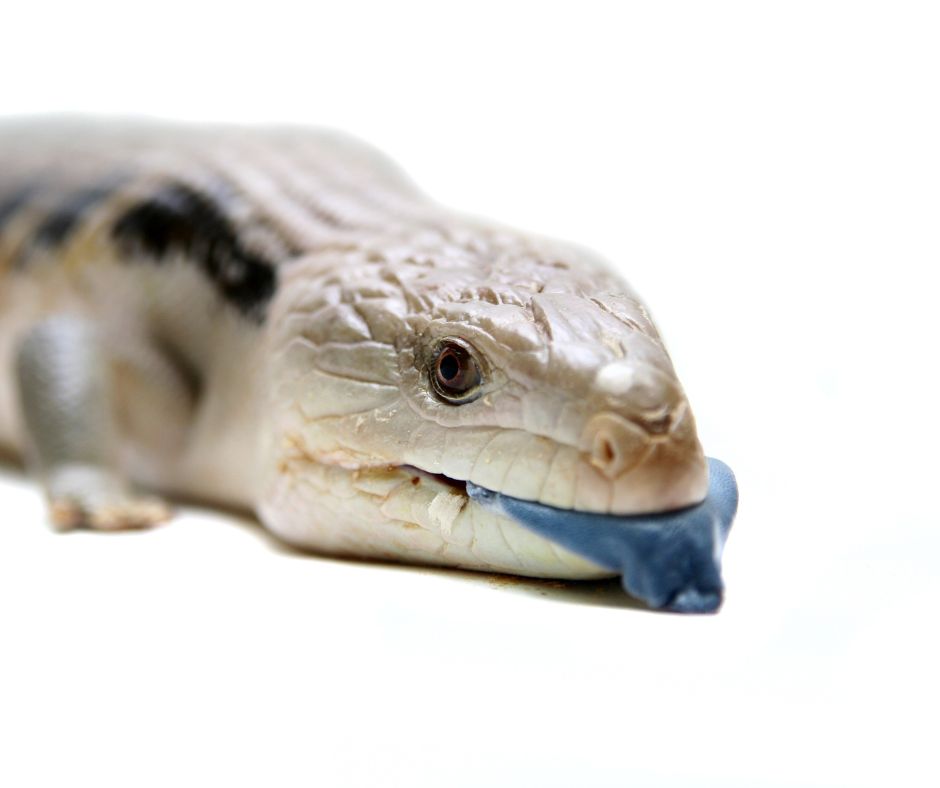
column 67, row 405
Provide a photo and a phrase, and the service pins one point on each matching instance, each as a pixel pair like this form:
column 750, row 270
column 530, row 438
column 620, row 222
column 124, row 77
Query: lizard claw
column 114, row 515
column 93, row 499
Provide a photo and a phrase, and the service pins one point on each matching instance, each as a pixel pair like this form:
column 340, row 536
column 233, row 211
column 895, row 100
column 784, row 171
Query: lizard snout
column 646, row 469
column 642, row 393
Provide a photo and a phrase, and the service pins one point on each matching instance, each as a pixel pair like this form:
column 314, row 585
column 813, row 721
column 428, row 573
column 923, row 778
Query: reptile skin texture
column 278, row 319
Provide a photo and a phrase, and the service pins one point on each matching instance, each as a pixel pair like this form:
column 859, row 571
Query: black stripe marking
column 178, row 219
column 65, row 218
column 14, row 202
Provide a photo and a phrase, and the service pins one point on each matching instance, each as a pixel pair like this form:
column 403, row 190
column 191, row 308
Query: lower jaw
column 670, row 560
column 499, row 542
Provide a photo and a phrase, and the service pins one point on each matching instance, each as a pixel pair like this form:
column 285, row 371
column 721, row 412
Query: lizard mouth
column 670, row 560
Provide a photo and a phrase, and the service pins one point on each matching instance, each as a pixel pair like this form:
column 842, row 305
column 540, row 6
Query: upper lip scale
column 671, row 560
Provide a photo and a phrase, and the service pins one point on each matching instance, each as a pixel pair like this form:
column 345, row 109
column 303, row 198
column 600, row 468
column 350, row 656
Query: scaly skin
column 281, row 359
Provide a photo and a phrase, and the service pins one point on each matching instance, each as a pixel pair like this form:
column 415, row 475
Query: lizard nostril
column 613, row 444
column 605, row 452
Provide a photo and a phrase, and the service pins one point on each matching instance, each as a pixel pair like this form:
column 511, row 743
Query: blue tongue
column 670, row 560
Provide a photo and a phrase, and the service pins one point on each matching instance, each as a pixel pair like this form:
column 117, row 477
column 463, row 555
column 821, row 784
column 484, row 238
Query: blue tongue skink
column 670, row 560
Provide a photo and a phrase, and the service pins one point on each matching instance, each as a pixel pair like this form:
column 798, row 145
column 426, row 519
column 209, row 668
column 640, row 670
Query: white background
column 768, row 176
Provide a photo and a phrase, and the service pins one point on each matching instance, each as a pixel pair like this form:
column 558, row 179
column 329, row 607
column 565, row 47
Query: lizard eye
column 455, row 374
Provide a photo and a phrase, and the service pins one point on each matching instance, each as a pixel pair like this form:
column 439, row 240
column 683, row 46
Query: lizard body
column 278, row 319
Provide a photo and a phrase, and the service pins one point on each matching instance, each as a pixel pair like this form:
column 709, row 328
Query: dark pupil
column 449, row 366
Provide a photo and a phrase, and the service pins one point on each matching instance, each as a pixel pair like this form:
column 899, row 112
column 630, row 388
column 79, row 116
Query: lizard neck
column 221, row 459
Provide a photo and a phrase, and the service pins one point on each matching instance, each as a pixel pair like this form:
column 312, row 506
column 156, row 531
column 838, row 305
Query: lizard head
column 403, row 371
